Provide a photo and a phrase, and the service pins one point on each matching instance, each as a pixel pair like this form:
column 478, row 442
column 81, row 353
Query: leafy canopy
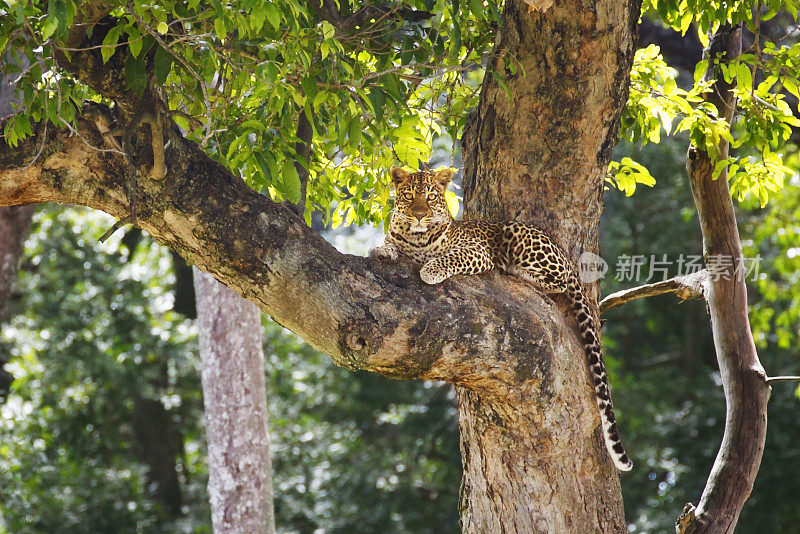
column 762, row 75
column 379, row 83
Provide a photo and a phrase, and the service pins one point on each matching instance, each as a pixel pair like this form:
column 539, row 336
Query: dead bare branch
column 685, row 287
column 789, row 378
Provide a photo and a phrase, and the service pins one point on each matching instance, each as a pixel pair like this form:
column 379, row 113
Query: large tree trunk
column 234, row 395
column 534, row 462
column 531, row 441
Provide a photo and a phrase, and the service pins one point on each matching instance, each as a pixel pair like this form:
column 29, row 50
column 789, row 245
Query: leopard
column 422, row 229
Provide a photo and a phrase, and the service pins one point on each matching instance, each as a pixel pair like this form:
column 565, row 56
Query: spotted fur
column 422, row 229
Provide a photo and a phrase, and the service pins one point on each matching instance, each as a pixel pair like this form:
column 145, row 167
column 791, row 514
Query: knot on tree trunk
column 358, row 340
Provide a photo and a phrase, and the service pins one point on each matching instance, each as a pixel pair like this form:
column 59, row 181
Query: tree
column 14, row 223
column 234, row 394
column 536, row 148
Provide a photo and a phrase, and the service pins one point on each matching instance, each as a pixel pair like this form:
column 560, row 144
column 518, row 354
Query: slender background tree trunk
column 14, row 226
column 743, row 378
column 234, row 395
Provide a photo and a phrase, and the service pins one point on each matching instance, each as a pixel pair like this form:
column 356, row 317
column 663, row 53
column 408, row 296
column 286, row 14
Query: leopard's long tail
column 594, row 358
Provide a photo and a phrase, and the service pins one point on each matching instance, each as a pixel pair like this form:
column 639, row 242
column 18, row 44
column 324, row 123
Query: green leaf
column 219, row 27
column 319, row 99
column 135, row 74
column 291, row 182
column 134, row 41
column 378, row 99
column 273, row 15
column 453, row 202
column 686, row 21
column 162, row 65
column 791, row 86
column 49, row 27
column 476, row 6
column 328, row 31
column 744, row 77
column 162, row 28
column 354, row 132
column 110, row 42
column 253, row 124
column 309, row 85
column 718, row 168
column 700, row 70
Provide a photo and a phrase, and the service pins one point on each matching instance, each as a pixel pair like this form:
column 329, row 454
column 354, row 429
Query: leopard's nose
column 419, row 214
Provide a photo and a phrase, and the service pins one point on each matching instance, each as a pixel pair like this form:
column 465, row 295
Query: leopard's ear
column 398, row 176
column 443, row 176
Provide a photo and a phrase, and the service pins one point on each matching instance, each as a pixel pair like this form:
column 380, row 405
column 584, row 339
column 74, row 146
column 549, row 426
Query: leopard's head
column 419, row 201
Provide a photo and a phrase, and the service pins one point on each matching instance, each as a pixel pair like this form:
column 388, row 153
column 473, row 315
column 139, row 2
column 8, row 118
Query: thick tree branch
column 743, row 378
column 365, row 314
column 686, row 287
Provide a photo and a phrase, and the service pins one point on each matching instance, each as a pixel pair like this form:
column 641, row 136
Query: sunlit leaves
column 238, row 74
column 380, row 89
column 655, row 99
column 757, row 177
column 626, row 173
column 453, row 202
column 708, row 15
column 762, row 125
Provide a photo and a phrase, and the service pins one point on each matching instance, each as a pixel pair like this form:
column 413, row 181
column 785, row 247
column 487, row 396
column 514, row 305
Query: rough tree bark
column 234, row 395
column 539, row 155
column 532, row 450
column 743, row 378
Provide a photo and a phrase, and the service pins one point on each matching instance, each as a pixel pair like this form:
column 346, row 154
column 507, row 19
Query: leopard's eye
column 432, row 197
column 408, row 196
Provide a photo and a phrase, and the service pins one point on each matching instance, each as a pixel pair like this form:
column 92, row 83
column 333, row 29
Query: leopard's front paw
column 387, row 251
column 430, row 276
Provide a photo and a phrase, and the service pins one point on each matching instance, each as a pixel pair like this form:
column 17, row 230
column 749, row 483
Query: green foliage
column 376, row 88
column 626, row 173
column 379, row 89
column 763, row 124
column 93, row 339
column 358, row 452
column 93, row 332
column 709, row 15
